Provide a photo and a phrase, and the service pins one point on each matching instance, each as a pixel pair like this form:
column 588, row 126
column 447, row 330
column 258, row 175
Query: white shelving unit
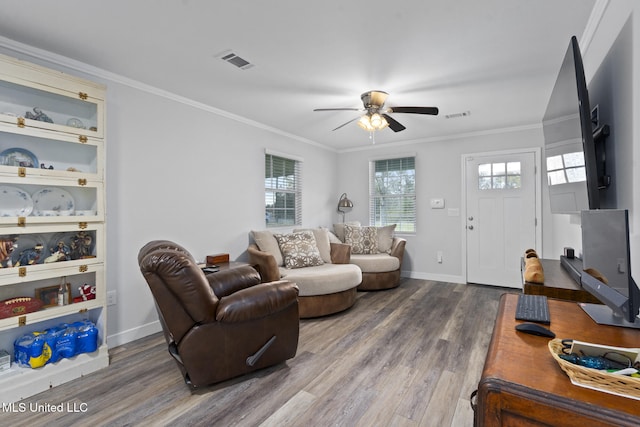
column 52, row 195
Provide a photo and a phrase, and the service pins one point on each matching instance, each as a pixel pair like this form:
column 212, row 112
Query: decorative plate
column 52, row 199
column 19, row 157
column 14, row 201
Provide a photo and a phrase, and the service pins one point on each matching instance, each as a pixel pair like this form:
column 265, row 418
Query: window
column 566, row 168
column 282, row 191
column 392, row 193
column 499, row 176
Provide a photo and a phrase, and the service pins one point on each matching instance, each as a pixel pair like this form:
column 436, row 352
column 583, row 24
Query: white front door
column 500, row 215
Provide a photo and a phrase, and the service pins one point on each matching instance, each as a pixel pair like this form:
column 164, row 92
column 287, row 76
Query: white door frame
column 537, row 151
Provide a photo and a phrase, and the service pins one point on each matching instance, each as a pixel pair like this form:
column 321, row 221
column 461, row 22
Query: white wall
column 438, row 175
column 178, row 170
column 185, row 174
column 181, row 172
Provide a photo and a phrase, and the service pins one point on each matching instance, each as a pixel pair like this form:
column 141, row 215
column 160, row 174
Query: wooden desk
column 557, row 284
column 522, row 385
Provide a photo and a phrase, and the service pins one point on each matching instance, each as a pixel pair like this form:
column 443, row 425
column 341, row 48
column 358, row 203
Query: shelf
column 52, row 150
column 52, row 221
column 17, row 382
column 59, row 96
column 50, row 313
column 50, row 201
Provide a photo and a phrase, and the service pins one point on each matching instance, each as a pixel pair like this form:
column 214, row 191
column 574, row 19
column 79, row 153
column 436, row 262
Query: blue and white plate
column 19, row 157
column 15, row 201
column 52, row 200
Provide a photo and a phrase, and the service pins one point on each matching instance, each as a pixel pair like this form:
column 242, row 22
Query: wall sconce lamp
column 344, row 205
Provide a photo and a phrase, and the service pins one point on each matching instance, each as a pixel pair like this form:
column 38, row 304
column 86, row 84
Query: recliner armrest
column 227, row 282
column 256, row 302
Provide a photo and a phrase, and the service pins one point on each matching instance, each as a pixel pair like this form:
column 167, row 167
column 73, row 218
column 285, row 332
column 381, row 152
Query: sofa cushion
column 266, row 242
column 332, row 236
column 385, row 238
column 322, row 241
column 299, row 249
column 376, row 263
column 324, row 279
column 338, row 229
column 363, row 240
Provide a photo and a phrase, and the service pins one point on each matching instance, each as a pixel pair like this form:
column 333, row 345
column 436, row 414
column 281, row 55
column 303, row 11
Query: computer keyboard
column 533, row 308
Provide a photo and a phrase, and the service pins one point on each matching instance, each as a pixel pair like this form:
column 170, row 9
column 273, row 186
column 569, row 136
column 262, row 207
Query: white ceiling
column 495, row 58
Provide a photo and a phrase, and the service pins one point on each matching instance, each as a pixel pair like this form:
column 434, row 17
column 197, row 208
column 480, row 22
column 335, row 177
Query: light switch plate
column 437, row 203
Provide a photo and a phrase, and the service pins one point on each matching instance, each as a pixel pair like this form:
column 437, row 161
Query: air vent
column 234, row 59
column 456, row 115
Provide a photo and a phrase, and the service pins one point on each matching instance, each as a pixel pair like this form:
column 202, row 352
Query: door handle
column 470, row 227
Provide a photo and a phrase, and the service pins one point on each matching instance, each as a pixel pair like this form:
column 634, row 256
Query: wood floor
column 404, row 357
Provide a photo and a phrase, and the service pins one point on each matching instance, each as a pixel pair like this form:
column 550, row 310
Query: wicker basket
column 592, row 378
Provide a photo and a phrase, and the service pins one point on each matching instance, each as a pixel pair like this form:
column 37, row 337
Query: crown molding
column 447, row 137
column 40, row 55
column 597, row 13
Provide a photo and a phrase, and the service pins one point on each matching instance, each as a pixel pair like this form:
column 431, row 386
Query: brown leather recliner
column 221, row 325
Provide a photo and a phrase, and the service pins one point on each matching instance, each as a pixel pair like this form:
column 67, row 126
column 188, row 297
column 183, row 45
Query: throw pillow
column 299, row 249
column 385, row 238
column 338, row 229
column 322, row 241
column 363, row 240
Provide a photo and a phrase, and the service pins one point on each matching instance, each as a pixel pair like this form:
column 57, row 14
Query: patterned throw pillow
column 363, row 240
column 299, row 249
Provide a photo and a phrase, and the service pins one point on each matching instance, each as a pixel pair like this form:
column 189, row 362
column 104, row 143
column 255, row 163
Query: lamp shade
column 344, row 204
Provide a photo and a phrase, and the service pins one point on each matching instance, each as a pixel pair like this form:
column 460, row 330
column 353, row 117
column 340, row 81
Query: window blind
column 282, row 191
column 392, row 193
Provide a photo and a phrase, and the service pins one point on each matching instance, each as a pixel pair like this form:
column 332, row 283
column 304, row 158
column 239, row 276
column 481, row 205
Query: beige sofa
column 380, row 261
column 326, row 280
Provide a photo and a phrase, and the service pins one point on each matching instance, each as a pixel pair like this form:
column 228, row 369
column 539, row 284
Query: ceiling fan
column 377, row 116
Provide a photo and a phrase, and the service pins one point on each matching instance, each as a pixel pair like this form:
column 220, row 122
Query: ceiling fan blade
column 416, row 110
column 337, row 109
column 394, row 125
column 344, row 124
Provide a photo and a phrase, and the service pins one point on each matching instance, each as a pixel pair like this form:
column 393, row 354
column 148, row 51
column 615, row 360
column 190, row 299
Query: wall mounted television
column 574, row 163
column 607, row 268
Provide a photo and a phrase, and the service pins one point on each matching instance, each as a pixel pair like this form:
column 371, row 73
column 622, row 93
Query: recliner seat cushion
column 375, row 263
column 323, row 279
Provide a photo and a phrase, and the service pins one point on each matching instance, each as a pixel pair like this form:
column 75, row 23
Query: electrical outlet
column 439, row 257
column 112, row 298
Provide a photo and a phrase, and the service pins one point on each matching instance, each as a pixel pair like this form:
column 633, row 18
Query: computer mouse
column 535, row 329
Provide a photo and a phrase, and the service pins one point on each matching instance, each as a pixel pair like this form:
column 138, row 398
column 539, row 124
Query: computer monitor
column 607, row 268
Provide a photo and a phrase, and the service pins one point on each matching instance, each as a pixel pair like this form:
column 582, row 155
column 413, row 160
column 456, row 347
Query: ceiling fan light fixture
column 372, row 122
column 374, row 98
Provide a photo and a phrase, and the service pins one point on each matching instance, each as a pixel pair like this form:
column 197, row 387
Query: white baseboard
column 435, row 277
column 133, row 334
